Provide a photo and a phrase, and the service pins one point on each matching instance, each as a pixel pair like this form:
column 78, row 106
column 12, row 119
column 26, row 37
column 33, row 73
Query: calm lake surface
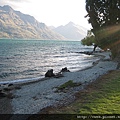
column 30, row 59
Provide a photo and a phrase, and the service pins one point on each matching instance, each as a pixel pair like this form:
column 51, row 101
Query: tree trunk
column 95, row 46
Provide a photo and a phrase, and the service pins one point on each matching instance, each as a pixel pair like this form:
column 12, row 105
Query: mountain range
column 71, row 31
column 14, row 24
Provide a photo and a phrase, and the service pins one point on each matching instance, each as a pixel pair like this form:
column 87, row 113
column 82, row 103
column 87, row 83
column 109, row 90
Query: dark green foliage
column 89, row 40
column 104, row 16
column 103, row 13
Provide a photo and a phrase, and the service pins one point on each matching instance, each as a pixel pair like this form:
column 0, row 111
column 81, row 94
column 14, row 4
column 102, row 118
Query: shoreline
column 41, row 78
column 92, row 92
column 33, row 97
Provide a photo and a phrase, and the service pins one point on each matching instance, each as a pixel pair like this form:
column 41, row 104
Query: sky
column 52, row 12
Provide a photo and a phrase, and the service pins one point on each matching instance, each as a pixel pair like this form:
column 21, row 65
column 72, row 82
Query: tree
column 89, row 40
column 104, row 16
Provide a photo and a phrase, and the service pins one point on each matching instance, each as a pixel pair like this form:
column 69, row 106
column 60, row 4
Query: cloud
column 13, row 3
column 51, row 12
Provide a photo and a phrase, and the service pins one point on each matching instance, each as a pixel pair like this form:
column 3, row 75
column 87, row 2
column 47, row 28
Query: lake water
column 30, row 59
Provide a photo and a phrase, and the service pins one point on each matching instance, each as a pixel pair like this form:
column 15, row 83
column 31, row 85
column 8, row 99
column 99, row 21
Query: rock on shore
column 32, row 98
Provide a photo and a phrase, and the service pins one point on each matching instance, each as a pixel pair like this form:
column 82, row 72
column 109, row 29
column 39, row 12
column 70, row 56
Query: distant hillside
column 72, row 31
column 14, row 24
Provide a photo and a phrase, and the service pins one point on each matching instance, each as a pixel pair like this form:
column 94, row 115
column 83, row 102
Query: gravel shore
column 32, row 98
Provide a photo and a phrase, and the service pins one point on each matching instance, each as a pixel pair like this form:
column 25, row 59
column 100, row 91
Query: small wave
column 20, row 81
column 34, row 58
column 31, row 70
column 4, row 75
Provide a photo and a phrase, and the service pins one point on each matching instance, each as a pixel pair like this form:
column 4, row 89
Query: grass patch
column 68, row 84
column 99, row 97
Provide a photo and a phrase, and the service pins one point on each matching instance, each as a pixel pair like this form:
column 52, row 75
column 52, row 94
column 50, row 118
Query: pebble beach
column 31, row 98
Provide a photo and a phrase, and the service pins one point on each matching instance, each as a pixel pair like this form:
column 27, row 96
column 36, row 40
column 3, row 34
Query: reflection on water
column 32, row 58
